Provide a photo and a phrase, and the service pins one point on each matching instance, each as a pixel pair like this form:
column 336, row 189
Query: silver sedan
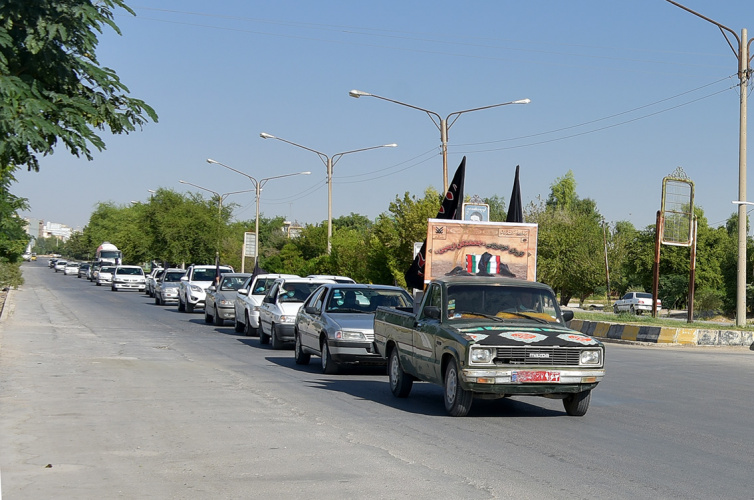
column 337, row 323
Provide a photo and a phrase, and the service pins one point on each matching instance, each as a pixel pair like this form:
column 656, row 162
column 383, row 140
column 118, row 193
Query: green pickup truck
column 489, row 337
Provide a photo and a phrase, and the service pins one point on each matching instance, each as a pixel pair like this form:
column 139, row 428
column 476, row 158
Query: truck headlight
column 591, row 357
column 482, row 355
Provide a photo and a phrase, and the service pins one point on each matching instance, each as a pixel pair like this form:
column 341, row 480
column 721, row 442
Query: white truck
column 192, row 289
column 108, row 254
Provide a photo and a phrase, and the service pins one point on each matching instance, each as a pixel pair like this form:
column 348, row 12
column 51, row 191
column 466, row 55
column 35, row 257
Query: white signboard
column 249, row 244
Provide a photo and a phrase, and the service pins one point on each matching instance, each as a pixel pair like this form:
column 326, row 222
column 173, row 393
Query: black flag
column 516, row 209
column 450, row 209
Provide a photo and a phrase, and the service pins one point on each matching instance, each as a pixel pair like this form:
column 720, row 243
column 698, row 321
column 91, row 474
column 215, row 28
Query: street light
column 221, row 198
column 442, row 124
column 258, row 185
column 744, row 71
column 329, row 162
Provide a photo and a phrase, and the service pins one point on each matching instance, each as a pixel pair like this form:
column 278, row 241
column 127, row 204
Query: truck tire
column 329, row 366
column 457, row 399
column 577, row 404
column 302, row 358
column 400, row 381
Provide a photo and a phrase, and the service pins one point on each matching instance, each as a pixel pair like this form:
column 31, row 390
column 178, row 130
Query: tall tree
column 52, row 86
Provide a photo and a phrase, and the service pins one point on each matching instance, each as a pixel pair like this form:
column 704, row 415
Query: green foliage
column 708, row 301
column 13, row 237
column 10, row 274
column 497, row 208
column 51, row 85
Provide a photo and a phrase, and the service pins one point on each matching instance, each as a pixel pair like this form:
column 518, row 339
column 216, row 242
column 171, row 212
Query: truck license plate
column 535, row 376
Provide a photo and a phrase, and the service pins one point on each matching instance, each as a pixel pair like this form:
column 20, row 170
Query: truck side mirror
column 432, row 312
column 567, row 315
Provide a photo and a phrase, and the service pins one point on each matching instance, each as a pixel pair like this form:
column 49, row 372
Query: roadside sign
column 249, row 244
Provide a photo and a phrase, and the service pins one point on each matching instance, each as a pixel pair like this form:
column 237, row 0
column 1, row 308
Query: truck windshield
column 502, row 302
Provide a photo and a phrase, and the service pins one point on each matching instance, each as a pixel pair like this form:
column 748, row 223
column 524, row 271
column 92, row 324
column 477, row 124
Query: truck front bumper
column 508, row 381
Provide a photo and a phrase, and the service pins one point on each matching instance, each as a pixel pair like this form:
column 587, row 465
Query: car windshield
column 296, row 292
column 106, row 270
column 207, row 274
column 232, row 283
column 137, row 271
column 506, row 302
column 174, row 277
column 365, row 300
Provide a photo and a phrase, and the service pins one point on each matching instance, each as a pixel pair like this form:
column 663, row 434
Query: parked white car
column 128, row 278
column 277, row 314
column 193, row 286
column 249, row 298
column 635, row 303
column 166, row 286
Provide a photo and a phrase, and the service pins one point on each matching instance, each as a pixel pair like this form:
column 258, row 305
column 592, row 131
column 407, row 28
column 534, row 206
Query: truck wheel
column 577, row 404
column 302, row 358
column 264, row 339
column 329, row 366
column 189, row 307
column 207, row 318
column 218, row 320
column 275, row 341
column 237, row 326
column 400, row 381
column 457, row 399
column 181, row 307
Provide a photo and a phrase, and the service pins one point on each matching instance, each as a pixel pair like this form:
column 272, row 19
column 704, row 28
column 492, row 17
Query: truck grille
column 537, row 356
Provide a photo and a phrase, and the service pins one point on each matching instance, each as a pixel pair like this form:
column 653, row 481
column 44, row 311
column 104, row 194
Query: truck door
column 425, row 336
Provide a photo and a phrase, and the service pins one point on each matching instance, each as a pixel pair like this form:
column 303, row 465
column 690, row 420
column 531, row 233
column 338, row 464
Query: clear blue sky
column 622, row 93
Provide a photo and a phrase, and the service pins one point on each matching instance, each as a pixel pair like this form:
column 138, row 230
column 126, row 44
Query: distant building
column 292, row 229
column 57, row 230
column 34, row 228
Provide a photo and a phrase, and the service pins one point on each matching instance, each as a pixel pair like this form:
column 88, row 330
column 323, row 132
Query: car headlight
column 482, row 354
column 346, row 335
column 226, row 303
column 591, row 357
column 287, row 319
column 195, row 288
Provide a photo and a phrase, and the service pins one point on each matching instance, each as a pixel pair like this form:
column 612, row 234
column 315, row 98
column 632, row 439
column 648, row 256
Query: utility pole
column 744, row 72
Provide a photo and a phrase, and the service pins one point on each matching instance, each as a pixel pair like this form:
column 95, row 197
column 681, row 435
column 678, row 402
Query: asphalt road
column 105, row 395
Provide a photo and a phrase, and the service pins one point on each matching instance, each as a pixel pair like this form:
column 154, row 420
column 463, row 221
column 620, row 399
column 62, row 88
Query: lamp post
column 329, row 162
column 744, row 71
column 220, row 198
column 442, row 124
column 258, row 185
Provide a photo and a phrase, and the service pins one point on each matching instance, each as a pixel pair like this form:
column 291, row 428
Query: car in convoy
column 71, row 268
column 105, row 275
column 83, row 270
column 193, row 286
column 93, row 271
column 59, row 265
column 336, row 323
column 51, row 263
column 218, row 304
column 166, row 286
column 150, row 280
column 249, row 298
column 128, row 278
column 277, row 314
column 337, row 279
column 635, row 303
column 489, row 337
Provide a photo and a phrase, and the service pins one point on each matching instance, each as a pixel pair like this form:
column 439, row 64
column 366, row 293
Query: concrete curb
column 663, row 334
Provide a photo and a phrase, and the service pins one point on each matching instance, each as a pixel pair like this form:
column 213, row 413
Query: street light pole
column 220, row 198
column 258, row 185
column 329, row 162
column 443, row 124
column 744, row 71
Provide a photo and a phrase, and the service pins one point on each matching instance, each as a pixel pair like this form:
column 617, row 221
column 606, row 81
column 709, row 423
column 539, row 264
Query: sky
column 622, row 94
